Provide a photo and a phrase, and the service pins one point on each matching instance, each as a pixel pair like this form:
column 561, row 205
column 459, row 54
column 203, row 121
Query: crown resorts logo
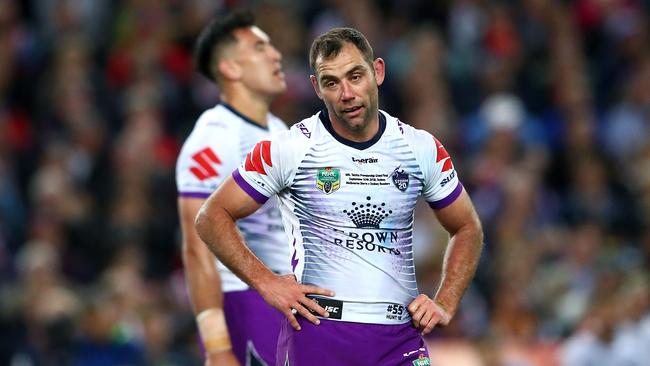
column 328, row 180
column 367, row 235
column 367, row 215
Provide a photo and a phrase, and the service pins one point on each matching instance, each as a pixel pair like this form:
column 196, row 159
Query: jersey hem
column 363, row 321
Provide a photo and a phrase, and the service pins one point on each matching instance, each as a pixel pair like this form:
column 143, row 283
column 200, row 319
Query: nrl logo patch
column 400, row 179
column 422, row 361
column 328, row 180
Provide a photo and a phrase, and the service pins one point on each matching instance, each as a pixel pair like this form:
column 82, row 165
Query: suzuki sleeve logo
column 442, row 154
column 206, row 159
column 261, row 154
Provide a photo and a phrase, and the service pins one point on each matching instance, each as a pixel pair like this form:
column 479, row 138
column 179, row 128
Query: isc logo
column 334, row 307
column 331, row 309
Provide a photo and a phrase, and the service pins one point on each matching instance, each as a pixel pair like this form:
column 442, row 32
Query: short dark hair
column 330, row 44
column 218, row 33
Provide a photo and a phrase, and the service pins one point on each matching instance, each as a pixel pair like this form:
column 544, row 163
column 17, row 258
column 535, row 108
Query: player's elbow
column 472, row 230
column 202, row 224
column 191, row 250
column 477, row 229
column 476, row 225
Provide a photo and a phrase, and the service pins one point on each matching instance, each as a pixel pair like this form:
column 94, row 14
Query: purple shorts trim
column 193, row 194
column 347, row 343
column 449, row 199
column 253, row 326
column 243, row 184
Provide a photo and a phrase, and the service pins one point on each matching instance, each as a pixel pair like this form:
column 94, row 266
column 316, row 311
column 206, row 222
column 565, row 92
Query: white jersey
column 217, row 145
column 348, row 209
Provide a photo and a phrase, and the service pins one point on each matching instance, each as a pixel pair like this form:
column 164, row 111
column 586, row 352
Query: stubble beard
column 356, row 127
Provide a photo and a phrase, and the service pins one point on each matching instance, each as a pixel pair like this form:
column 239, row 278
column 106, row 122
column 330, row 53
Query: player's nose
column 346, row 91
column 275, row 54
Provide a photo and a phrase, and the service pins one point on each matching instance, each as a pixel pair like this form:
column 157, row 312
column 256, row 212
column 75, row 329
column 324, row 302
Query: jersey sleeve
column 206, row 159
column 266, row 169
column 441, row 184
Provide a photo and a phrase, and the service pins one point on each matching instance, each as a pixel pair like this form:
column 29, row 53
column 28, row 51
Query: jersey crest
column 400, row 179
column 328, row 180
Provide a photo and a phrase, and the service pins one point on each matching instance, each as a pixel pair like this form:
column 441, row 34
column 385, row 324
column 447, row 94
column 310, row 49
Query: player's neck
column 357, row 141
column 362, row 135
column 253, row 108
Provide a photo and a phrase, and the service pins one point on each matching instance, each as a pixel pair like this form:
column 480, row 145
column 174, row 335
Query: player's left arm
column 463, row 251
column 461, row 258
column 455, row 212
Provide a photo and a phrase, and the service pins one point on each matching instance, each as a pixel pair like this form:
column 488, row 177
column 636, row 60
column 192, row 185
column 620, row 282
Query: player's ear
column 380, row 70
column 229, row 68
column 314, row 83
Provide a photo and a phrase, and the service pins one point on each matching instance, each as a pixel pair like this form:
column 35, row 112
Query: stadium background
column 544, row 104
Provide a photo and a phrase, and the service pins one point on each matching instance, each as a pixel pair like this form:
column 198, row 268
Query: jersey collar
column 324, row 118
column 244, row 118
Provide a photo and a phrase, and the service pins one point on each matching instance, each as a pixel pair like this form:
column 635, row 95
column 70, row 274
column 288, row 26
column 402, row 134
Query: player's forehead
column 251, row 35
column 348, row 58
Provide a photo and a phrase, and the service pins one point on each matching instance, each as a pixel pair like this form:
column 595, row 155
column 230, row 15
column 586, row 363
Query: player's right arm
column 215, row 224
column 204, row 286
column 233, row 200
column 206, row 157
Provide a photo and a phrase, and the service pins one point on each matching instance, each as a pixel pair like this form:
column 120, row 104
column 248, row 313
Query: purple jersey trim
column 449, row 199
column 194, row 194
column 257, row 196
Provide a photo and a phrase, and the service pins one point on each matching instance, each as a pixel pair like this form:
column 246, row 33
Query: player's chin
column 281, row 86
column 278, row 89
column 356, row 124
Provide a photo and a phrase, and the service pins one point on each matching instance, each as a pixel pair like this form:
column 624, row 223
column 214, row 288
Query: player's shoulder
column 413, row 136
column 307, row 128
column 302, row 133
column 218, row 117
column 290, row 144
column 276, row 123
column 211, row 130
column 213, row 123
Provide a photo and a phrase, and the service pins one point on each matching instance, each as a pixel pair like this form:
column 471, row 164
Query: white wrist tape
column 214, row 333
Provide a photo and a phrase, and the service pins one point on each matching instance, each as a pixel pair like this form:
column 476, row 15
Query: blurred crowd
column 544, row 105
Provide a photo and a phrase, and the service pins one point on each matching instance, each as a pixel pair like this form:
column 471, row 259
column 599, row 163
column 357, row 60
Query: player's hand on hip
column 426, row 314
column 290, row 297
column 223, row 358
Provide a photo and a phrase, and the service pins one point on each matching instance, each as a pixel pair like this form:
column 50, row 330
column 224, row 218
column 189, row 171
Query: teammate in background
column 347, row 180
column 238, row 56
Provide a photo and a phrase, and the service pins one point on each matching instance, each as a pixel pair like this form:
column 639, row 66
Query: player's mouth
column 353, row 111
column 279, row 73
